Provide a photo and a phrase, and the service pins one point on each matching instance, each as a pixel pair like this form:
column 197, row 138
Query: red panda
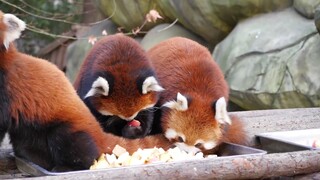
column 118, row 84
column 194, row 115
column 47, row 122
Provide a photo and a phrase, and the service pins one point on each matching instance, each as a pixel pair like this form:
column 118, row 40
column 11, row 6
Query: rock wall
column 272, row 66
column 268, row 49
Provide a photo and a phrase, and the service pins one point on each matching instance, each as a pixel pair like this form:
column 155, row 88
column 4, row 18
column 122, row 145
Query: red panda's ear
column 99, row 86
column 221, row 111
column 151, row 84
column 14, row 26
column 181, row 104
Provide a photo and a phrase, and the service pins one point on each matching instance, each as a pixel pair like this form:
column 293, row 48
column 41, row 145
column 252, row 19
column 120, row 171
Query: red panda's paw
column 133, row 129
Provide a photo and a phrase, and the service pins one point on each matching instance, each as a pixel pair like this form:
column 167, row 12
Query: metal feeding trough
column 226, row 151
column 289, row 141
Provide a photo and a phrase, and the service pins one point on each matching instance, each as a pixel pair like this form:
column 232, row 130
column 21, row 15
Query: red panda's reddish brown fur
column 186, row 67
column 118, row 84
column 235, row 133
column 46, row 120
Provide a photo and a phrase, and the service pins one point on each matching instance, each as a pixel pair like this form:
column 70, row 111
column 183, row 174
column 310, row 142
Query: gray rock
column 317, row 18
column 306, row 7
column 165, row 31
column 130, row 14
column 77, row 51
column 272, row 66
column 213, row 20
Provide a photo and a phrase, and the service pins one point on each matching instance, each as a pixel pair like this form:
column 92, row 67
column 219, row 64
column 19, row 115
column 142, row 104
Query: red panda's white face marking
column 187, row 148
column 172, row 134
column 14, row 27
column 130, row 117
column 206, row 145
column 99, row 86
column 180, row 139
column 106, row 113
column 136, row 113
column 151, row 84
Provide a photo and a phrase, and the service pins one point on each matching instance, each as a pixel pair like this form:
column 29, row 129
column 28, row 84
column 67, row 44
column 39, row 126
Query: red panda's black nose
column 173, row 146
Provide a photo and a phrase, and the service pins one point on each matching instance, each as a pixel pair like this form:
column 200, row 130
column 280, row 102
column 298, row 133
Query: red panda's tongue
column 134, row 123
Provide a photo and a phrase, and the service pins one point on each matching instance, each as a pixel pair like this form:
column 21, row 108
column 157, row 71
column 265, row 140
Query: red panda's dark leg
column 54, row 146
column 71, row 150
column 4, row 107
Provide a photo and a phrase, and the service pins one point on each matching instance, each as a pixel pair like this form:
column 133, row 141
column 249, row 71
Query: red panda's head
column 10, row 28
column 125, row 103
column 122, row 81
column 195, row 124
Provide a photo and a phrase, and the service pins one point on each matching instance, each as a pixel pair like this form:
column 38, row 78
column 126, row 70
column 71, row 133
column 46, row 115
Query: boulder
column 77, row 51
column 306, row 7
column 165, row 31
column 130, row 14
column 213, row 20
column 317, row 18
column 270, row 62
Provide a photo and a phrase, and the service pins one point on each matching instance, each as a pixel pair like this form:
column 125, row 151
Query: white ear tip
column 181, row 104
column 14, row 28
column 151, row 84
column 10, row 17
column 90, row 93
column 221, row 111
column 99, row 86
column 221, row 100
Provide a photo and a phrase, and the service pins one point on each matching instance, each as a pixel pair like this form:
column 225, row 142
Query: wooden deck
column 293, row 165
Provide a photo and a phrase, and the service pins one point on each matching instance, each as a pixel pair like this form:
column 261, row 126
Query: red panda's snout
column 195, row 126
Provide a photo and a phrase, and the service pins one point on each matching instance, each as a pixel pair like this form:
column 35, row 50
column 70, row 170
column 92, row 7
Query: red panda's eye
column 198, row 145
column 180, row 139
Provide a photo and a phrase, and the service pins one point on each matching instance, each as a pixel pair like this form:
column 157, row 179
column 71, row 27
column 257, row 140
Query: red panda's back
column 184, row 65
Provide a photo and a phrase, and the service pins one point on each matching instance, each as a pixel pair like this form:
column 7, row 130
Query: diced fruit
column 316, row 144
column 118, row 150
column 121, row 157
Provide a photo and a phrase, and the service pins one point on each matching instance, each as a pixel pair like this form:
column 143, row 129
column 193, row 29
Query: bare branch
column 56, row 15
column 35, row 15
column 174, row 22
column 59, row 20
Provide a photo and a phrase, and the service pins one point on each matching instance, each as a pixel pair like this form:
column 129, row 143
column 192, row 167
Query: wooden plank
column 248, row 167
column 278, row 120
column 55, row 44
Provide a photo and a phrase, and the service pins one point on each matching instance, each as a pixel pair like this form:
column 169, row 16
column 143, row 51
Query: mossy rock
column 213, row 20
column 272, row 66
column 130, row 14
column 165, row 31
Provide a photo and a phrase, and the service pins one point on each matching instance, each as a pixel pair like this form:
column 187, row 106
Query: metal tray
column 288, row 141
column 227, row 150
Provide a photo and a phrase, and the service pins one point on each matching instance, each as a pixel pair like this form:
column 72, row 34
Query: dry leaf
column 104, row 32
column 153, row 15
column 92, row 40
